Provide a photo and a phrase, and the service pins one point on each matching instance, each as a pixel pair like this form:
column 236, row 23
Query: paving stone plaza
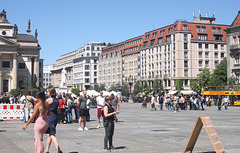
column 138, row 130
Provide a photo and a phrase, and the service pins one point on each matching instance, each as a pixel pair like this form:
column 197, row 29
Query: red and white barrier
column 11, row 111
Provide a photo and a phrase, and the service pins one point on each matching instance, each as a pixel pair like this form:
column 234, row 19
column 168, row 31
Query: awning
column 172, row 92
column 188, row 92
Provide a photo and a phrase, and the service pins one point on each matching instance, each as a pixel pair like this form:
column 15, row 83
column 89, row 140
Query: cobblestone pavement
column 138, row 130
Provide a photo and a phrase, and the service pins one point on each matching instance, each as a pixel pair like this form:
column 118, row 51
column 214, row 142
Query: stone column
column 1, row 85
column 14, row 71
column 29, row 78
column 36, row 72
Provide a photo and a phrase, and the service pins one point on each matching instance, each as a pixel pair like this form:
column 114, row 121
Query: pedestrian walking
column 69, row 108
column 52, row 120
column 41, row 111
column 161, row 99
column 75, row 108
column 219, row 102
column 28, row 106
column 225, row 100
column 100, row 105
column 83, row 112
column 153, row 102
column 108, row 123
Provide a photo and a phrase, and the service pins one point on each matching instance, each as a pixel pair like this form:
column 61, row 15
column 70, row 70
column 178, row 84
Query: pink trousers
column 40, row 127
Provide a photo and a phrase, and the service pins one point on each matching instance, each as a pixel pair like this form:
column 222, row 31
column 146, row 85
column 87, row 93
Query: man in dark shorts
column 83, row 112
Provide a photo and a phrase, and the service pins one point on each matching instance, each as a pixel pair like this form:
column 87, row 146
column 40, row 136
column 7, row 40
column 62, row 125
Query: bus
column 233, row 92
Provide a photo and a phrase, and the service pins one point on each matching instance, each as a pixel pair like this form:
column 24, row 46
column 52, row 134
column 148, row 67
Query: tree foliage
column 137, row 88
column 219, row 75
column 75, row 90
column 157, row 86
column 179, row 84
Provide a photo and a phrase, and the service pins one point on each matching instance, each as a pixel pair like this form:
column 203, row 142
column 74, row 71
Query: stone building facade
column 177, row 51
column 233, row 48
column 19, row 57
column 47, row 76
column 85, row 66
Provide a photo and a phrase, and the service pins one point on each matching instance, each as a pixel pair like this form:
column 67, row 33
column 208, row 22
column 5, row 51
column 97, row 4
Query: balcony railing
column 235, row 47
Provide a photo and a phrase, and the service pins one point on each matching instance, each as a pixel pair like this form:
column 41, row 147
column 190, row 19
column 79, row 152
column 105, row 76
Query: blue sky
column 65, row 26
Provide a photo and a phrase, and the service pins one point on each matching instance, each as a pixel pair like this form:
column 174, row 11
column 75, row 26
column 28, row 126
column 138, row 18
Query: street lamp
column 130, row 82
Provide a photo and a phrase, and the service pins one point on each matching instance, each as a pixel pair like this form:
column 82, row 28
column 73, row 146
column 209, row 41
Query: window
column 185, row 63
column 93, row 54
column 203, row 29
column 95, row 80
column 216, row 55
column 214, row 30
column 86, row 67
column 185, row 45
column 207, row 63
column 206, row 46
column 200, row 54
column 86, row 73
column 200, row 63
column 206, row 54
column 202, row 37
column 87, row 60
column 215, row 46
column 218, row 37
column 185, row 73
column 152, row 42
column 95, row 67
column 168, row 38
column 222, row 55
column 147, row 37
column 173, row 37
column 219, row 30
column 154, row 35
column 184, row 27
column 88, row 48
column 215, row 63
column 198, row 29
column 185, row 37
column 145, row 44
column 21, row 66
column 86, row 80
column 200, row 45
column 95, row 61
column 222, row 46
column 97, row 48
column 160, row 40
column 95, row 73
column 185, row 54
column 186, row 82
column 5, row 64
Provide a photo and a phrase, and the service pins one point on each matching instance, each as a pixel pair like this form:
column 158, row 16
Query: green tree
column 219, row 75
column 157, row 86
column 195, row 85
column 75, row 90
column 232, row 81
column 137, row 88
column 179, row 84
column 125, row 88
column 102, row 87
column 15, row 92
column 146, row 88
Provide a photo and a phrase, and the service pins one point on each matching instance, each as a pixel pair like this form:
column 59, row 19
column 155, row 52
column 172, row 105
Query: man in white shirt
column 100, row 105
column 225, row 100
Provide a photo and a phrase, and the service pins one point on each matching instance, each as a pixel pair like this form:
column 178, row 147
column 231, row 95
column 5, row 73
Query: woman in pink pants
column 41, row 111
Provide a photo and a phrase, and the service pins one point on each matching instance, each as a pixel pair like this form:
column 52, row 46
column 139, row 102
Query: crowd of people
column 185, row 102
column 49, row 109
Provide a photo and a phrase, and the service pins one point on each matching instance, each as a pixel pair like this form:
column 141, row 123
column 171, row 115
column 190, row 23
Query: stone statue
column 36, row 34
column 3, row 14
column 15, row 29
column 63, row 78
column 29, row 23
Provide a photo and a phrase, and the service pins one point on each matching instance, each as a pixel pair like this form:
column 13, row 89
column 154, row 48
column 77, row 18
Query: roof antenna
column 213, row 14
column 199, row 13
column 194, row 14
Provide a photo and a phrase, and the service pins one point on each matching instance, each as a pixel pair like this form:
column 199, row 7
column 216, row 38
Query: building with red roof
column 177, row 51
column 233, row 48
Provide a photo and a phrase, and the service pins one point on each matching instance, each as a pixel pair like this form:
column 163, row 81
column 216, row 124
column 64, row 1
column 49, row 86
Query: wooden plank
column 194, row 136
column 213, row 136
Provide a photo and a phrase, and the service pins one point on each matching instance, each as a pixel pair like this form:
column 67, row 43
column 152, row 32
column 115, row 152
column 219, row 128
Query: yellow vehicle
column 233, row 92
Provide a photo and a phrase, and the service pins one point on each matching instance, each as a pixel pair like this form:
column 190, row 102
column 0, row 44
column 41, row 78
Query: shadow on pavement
column 3, row 130
column 119, row 148
column 73, row 152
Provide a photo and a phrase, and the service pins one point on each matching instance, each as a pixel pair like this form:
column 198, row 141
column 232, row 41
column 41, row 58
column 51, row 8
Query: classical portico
column 19, row 56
